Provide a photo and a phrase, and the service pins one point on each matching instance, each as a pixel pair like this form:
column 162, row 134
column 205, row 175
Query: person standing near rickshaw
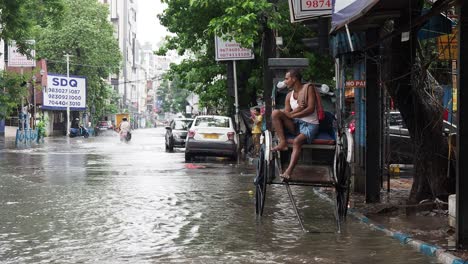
column 298, row 119
column 257, row 129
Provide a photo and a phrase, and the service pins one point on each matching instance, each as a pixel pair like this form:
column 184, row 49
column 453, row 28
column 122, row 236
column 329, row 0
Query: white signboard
column 16, row 59
column 231, row 50
column 61, row 90
column 309, row 9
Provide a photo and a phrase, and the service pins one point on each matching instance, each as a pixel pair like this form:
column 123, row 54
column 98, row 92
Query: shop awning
column 363, row 14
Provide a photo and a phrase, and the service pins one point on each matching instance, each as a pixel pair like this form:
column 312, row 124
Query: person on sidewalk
column 298, row 119
column 257, row 130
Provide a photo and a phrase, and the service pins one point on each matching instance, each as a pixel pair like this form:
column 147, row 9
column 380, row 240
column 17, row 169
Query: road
column 98, row 200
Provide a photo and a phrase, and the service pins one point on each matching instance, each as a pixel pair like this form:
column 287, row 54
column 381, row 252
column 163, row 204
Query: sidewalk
column 423, row 227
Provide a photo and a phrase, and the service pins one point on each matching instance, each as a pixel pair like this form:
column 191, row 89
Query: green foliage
column 321, row 69
column 18, row 19
column 87, row 35
column 172, row 94
column 13, row 88
column 195, row 23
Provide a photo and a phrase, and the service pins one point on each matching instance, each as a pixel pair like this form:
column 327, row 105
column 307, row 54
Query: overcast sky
column 150, row 30
column 148, row 25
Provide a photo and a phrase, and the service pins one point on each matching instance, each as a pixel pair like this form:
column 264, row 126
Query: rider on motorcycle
column 124, row 128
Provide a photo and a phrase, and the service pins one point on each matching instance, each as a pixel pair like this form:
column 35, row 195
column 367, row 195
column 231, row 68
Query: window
column 212, row 122
column 182, row 124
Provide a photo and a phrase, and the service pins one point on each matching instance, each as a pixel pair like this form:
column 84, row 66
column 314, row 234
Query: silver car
column 211, row 135
column 176, row 133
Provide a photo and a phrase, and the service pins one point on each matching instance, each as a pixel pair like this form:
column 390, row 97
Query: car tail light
column 230, row 135
column 191, row 134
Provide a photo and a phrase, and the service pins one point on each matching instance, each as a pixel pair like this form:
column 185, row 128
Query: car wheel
column 188, row 157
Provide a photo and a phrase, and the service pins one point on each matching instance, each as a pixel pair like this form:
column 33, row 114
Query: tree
column 87, row 35
column 173, row 95
column 15, row 88
column 196, row 23
column 417, row 97
column 18, row 19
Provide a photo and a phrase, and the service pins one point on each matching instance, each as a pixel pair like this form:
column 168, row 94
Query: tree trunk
column 419, row 100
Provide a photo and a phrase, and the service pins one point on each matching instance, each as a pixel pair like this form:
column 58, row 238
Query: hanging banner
column 16, row 59
column 231, row 50
column 301, row 10
column 61, row 91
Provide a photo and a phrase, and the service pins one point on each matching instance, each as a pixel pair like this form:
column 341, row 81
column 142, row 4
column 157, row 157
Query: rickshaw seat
column 326, row 135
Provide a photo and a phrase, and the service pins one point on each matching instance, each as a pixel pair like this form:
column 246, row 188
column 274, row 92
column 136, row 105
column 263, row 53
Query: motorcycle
column 125, row 136
column 78, row 132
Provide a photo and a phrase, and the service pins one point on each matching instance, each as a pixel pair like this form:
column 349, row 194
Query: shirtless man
column 299, row 118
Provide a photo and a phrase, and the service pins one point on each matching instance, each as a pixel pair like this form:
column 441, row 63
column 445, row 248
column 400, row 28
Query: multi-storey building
column 123, row 15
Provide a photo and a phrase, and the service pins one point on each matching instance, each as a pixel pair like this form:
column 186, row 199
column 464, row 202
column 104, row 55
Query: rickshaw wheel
column 260, row 182
column 343, row 175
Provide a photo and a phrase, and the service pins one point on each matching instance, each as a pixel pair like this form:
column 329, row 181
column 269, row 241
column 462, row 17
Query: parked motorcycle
column 125, row 136
column 79, row 132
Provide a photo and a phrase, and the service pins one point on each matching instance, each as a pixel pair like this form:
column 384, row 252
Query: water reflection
column 102, row 201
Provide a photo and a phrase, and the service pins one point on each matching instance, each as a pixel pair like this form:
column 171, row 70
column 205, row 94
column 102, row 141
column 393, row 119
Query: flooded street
column 97, row 200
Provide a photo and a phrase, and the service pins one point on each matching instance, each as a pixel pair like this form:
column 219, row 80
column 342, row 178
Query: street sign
column 16, row 59
column 231, row 50
column 61, row 90
column 301, row 10
column 355, row 84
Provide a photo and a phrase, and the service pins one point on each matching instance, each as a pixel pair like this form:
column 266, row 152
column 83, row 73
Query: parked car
column 211, row 136
column 176, row 133
column 105, row 125
column 102, row 127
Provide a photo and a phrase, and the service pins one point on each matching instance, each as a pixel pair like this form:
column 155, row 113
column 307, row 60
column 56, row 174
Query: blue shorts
column 307, row 129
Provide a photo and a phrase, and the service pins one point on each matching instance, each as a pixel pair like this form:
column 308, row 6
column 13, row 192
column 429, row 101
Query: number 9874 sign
column 316, row 5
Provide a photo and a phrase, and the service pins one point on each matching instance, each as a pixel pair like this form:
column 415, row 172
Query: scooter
column 78, row 132
column 125, row 136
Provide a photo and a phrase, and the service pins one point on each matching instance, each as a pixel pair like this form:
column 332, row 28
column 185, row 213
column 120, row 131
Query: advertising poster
column 62, row 91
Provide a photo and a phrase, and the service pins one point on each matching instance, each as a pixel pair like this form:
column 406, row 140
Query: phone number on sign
column 63, row 96
column 63, row 103
column 316, row 4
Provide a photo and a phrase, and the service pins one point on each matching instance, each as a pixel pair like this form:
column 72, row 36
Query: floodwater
column 97, row 200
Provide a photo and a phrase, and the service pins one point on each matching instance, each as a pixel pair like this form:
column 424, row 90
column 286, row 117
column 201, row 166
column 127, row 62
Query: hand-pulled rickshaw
column 323, row 164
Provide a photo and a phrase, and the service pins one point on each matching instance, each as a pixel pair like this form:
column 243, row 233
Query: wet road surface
column 97, row 200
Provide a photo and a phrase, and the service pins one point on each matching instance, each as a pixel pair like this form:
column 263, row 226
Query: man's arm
column 310, row 107
column 287, row 104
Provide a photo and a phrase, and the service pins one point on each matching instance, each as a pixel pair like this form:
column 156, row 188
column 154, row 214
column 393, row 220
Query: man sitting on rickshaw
column 298, row 119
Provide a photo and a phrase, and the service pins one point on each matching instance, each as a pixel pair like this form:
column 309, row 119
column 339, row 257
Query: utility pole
column 124, row 47
column 68, row 93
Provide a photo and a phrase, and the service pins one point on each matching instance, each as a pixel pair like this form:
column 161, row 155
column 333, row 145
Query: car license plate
column 211, row 136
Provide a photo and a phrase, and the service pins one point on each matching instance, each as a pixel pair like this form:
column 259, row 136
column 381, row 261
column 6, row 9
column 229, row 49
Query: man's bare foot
column 280, row 147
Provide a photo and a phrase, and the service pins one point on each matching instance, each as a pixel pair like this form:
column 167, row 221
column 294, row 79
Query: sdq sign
column 61, row 91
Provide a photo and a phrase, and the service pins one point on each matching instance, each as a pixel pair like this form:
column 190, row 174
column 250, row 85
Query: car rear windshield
column 182, row 124
column 212, row 122
column 104, row 123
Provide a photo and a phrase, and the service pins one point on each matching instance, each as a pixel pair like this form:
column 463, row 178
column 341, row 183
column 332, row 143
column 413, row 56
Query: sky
column 340, row 4
column 149, row 29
